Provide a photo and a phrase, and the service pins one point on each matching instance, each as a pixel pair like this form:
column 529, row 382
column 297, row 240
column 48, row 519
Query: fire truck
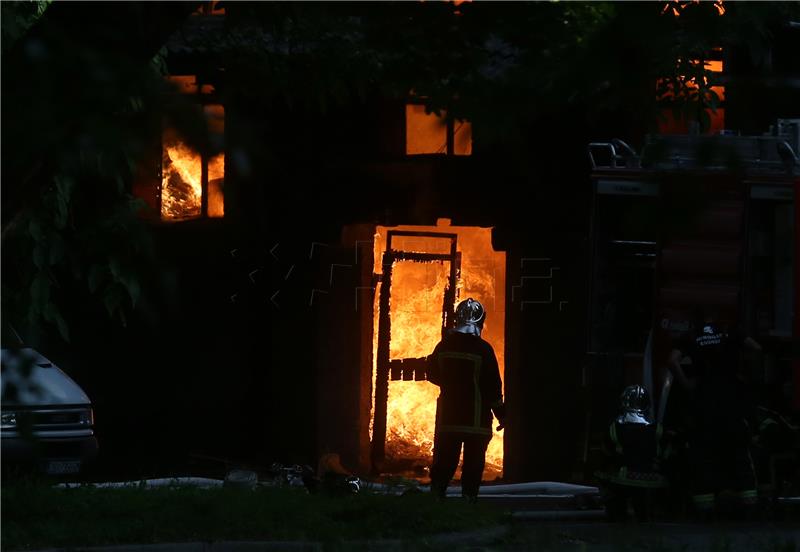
column 692, row 222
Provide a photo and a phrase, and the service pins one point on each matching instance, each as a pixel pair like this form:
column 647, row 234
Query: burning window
column 702, row 101
column 210, row 8
column 704, row 94
column 192, row 184
column 676, row 7
column 430, row 133
column 419, row 269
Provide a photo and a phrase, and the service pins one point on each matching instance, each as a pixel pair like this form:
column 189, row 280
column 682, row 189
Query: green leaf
column 56, row 249
column 131, row 163
column 39, row 255
column 40, row 291
column 35, row 230
column 134, row 289
column 62, row 211
column 63, row 329
column 48, row 311
column 52, row 314
column 114, row 267
column 76, row 266
column 112, row 299
column 96, row 274
column 64, row 186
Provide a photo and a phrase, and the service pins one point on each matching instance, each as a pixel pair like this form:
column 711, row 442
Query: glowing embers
column 417, row 294
column 183, row 175
column 428, row 133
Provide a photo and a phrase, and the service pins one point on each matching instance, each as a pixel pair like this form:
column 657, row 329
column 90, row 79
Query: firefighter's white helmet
column 635, row 402
column 470, row 315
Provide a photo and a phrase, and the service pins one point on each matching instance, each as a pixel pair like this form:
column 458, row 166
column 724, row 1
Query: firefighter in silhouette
column 464, row 367
column 632, row 444
column 719, row 433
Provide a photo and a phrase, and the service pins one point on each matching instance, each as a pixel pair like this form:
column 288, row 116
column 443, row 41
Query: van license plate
column 57, row 467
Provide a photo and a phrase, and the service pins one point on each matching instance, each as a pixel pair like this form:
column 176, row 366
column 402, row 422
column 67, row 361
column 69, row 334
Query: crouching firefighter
column 633, row 447
column 464, row 367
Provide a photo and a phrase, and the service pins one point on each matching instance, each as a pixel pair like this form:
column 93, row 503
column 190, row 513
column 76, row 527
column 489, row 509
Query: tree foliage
column 18, row 17
column 79, row 103
column 83, row 91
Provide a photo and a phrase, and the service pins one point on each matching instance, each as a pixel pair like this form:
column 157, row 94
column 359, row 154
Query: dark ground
column 601, row 536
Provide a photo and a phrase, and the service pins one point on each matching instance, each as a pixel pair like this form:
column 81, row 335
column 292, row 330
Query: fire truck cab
column 692, row 222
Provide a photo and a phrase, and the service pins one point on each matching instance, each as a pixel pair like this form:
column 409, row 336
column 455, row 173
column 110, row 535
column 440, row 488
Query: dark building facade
column 259, row 344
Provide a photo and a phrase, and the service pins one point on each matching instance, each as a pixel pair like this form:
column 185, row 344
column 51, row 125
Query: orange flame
column 216, row 179
column 677, row 6
column 181, row 190
column 416, row 318
column 181, row 181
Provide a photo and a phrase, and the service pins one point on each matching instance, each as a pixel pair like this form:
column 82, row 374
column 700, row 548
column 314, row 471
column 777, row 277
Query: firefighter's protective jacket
column 464, row 366
column 634, row 451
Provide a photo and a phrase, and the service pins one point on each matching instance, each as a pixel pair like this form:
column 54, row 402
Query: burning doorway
column 426, row 271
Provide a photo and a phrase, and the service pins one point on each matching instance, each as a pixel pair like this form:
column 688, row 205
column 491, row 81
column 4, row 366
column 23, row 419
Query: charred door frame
column 404, row 368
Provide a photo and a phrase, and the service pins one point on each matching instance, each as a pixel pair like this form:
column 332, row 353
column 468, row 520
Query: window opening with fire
column 192, row 184
column 420, row 268
column 429, row 133
column 672, row 121
column 215, row 8
column 702, row 88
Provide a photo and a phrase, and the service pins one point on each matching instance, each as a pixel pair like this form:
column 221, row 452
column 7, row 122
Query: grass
column 36, row 515
column 40, row 516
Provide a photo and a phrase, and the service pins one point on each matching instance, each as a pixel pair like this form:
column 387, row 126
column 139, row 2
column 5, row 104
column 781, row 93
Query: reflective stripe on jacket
column 465, row 368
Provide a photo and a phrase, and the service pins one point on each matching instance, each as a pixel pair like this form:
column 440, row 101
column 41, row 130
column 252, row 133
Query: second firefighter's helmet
column 470, row 315
column 635, row 403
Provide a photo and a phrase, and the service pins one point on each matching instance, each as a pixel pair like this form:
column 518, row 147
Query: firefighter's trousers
column 446, row 450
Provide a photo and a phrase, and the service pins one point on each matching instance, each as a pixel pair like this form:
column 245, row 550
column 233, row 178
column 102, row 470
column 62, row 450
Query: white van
column 47, row 419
